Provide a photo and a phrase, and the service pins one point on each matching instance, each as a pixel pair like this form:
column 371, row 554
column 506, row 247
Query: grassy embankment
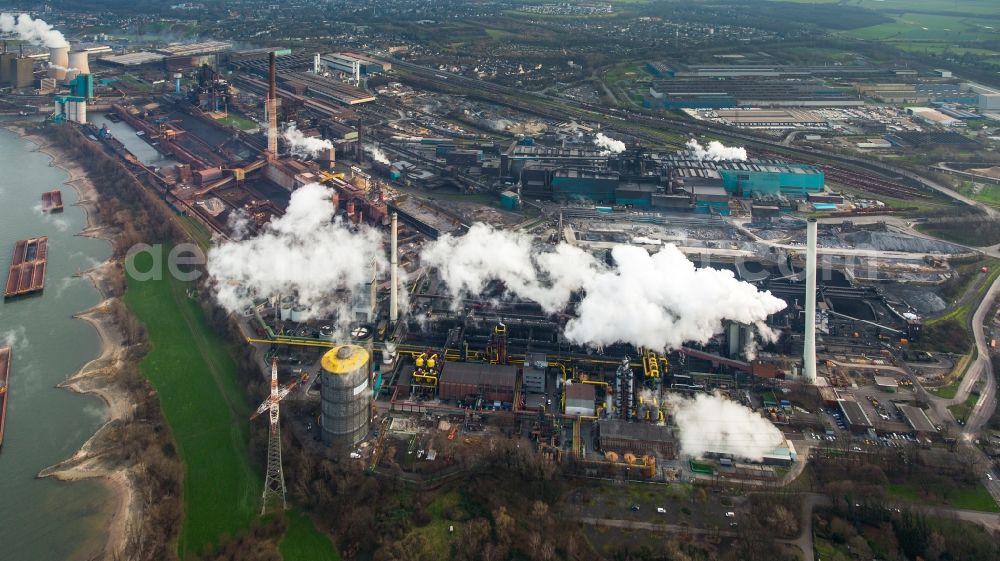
column 956, row 375
column 195, row 376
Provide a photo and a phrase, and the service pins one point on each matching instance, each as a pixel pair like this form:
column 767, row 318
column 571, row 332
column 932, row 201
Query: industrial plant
column 426, row 264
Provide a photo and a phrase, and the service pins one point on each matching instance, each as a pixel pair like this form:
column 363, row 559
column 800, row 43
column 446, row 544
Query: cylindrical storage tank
column 285, row 308
column 299, row 313
column 58, row 62
column 345, row 395
column 78, row 64
column 77, row 112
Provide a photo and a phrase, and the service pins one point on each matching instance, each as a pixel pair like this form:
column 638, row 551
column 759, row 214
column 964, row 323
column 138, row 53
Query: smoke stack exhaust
column 809, row 353
column 394, row 272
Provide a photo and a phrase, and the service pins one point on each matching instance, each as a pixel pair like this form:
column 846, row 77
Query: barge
column 27, row 267
column 52, row 201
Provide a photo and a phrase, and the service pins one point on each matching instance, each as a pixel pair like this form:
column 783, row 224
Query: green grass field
column 985, row 193
column 238, row 121
column 961, row 411
column 930, row 27
column 967, row 498
column 194, row 375
column 946, row 392
column 303, row 542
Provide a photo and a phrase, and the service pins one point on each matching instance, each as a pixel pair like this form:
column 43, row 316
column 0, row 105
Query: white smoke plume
column 468, row 263
column 663, row 300
column 711, row 423
column 34, row 31
column 377, row 154
column 239, row 224
column 306, row 254
column 716, row 151
column 304, row 146
column 609, row 144
column 657, row 301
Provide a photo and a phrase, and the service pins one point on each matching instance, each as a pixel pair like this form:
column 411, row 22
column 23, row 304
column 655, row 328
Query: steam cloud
column 609, row 144
column 716, row 151
column 304, row 146
column 658, row 301
column 34, row 31
column 306, row 254
column 711, row 423
column 377, row 154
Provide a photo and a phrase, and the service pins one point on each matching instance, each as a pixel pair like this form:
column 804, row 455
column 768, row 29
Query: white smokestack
column 34, row 31
column 716, row 151
column 609, row 144
column 58, row 62
column 394, row 274
column 809, row 353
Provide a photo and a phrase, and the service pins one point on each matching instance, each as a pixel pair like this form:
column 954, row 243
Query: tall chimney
column 809, row 353
column 272, row 110
column 394, row 272
column 271, row 75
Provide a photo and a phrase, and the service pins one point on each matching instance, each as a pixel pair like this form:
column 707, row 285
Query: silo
column 345, row 395
column 58, row 62
column 285, row 308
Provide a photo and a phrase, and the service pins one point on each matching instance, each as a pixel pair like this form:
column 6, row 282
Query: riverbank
column 99, row 376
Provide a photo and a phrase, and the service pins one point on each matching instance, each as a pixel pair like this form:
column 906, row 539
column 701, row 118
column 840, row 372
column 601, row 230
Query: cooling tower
column 58, row 62
column 78, row 64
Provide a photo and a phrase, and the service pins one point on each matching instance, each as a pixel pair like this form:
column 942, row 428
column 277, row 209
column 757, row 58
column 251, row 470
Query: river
column 44, row 519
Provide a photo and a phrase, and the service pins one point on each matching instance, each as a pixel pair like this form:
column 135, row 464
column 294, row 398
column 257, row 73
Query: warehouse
column 855, row 416
column 886, row 383
column 580, row 399
column 636, row 438
column 494, row 382
column 917, row 419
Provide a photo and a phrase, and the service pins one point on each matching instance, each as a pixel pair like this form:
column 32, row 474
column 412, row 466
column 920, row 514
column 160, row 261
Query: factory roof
column 855, row 414
column 479, row 374
column 551, row 152
column 614, row 428
column 325, row 87
column 582, row 392
column 133, row 59
column 195, row 48
column 917, row 418
column 886, row 381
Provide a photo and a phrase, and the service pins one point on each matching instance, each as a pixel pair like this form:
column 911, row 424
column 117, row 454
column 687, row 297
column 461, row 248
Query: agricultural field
column 928, row 27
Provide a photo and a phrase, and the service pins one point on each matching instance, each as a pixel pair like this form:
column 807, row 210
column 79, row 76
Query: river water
column 45, row 519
